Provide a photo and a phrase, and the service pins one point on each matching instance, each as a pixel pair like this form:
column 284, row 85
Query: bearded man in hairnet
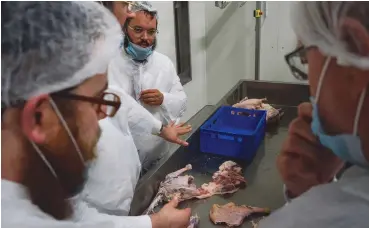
column 53, row 86
column 113, row 175
column 150, row 78
column 334, row 127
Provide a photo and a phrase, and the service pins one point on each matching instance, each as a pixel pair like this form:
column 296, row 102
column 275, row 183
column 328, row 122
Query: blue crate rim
column 236, row 109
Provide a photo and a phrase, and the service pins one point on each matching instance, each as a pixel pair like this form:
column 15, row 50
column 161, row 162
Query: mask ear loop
column 322, row 75
column 42, row 156
column 67, row 129
column 358, row 111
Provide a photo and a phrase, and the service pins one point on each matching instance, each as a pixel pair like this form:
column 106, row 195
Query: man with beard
column 149, row 77
column 113, row 175
column 53, row 81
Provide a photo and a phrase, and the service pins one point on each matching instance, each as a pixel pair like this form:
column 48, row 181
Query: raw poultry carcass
column 272, row 113
column 233, row 215
column 258, row 104
column 250, row 103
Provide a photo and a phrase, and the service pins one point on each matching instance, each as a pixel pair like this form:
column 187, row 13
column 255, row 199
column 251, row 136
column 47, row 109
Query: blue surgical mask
column 137, row 52
column 348, row 147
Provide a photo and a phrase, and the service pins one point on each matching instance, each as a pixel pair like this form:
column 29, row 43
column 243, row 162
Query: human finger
column 305, row 110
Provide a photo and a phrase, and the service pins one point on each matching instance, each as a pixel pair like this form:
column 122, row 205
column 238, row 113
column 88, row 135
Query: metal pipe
column 257, row 43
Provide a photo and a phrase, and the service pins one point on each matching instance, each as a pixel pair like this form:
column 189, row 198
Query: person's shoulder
column 160, row 57
column 324, row 206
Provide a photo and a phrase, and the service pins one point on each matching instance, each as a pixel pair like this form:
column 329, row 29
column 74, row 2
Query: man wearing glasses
column 149, row 77
column 53, row 82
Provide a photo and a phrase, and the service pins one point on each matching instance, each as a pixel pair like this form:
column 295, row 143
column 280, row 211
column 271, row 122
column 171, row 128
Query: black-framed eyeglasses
column 107, row 103
column 139, row 31
column 297, row 63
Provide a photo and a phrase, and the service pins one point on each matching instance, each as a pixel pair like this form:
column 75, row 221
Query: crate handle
column 226, row 137
column 247, row 114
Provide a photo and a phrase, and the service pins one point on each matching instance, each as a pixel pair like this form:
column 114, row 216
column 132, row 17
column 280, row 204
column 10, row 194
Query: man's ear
column 32, row 115
column 355, row 33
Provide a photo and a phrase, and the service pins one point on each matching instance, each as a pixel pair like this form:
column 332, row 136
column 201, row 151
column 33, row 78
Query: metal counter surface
column 264, row 188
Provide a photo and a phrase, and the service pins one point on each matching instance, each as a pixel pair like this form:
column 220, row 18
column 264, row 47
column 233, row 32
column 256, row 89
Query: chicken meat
column 233, row 215
column 175, row 185
column 228, row 179
column 258, row 104
column 250, row 103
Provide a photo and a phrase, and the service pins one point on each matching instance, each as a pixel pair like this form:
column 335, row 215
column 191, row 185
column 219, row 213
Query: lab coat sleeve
column 175, row 101
column 108, row 189
column 90, row 217
column 139, row 119
column 288, row 199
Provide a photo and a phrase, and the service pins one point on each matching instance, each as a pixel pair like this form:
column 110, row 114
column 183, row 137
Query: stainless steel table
column 264, row 187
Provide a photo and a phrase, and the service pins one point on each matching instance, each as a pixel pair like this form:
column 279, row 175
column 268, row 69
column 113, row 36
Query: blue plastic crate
column 233, row 132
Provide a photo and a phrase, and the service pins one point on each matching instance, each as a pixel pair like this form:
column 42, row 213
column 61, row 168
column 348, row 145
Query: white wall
column 230, row 47
column 223, row 47
column 166, row 29
column 196, row 89
column 277, row 40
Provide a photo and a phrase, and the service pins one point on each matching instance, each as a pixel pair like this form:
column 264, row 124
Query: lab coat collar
column 13, row 190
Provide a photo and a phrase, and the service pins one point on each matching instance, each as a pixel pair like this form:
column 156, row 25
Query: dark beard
column 49, row 193
column 45, row 190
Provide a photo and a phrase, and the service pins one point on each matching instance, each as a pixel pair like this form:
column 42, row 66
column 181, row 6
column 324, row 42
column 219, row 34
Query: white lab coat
column 113, row 175
column 138, row 118
column 157, row 73
column 18, row 211
column 340, row 204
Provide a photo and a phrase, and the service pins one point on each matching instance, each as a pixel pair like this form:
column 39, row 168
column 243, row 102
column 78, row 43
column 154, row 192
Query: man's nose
column 145, row 37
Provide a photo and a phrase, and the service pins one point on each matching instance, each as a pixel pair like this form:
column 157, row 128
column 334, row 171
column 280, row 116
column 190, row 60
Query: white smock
column 158, row 72
column 113, row 175
column 340, row 204
column 19, row 211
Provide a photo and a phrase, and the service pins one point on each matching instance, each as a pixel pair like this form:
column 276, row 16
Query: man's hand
column 152, row 97
column 303, row 161
column 172, row 132
column 170, row 217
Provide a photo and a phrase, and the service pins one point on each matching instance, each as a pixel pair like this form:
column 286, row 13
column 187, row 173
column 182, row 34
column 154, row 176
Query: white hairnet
column 144, row 5
column 51, row 46
column 318, row 24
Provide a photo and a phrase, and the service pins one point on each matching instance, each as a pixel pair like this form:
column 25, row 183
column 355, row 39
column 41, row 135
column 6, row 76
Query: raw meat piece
column 228, row 179
column 271, row 112
column 250, row 103
column 258, row 104
column 233, row 215
column 194, row 221
column 174, row 185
